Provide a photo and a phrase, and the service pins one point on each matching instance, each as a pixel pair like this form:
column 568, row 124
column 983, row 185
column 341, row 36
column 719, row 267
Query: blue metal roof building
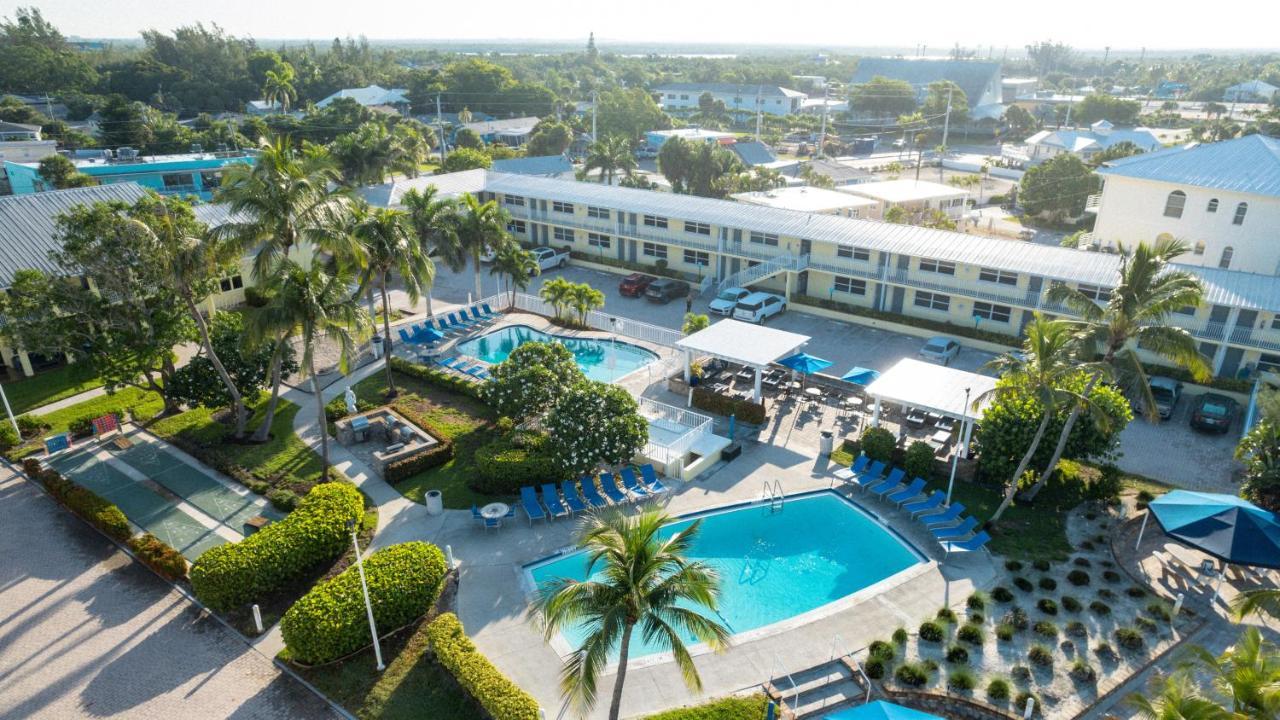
column 1250, row 164
column 193, row 174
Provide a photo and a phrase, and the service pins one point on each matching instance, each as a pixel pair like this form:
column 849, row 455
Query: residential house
column 838, row 172
column 371, row 96
column 753, row 153
column 916, row 197
column 512, row 132
column 1084, row 144
column 812, row 200
column 1254, row 91
column 262, row 108
column 552, row 166
column 196, row 174
column 654, row 139
column 21, row 143
column 1014, row 89
column 771, row 99
column 979, row 79
column 1170, row 90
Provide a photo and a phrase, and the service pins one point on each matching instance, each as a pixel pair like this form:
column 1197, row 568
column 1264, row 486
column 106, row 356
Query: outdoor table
column 915, row 417
column 945, row 423
column 494, row 511
column 941, row 437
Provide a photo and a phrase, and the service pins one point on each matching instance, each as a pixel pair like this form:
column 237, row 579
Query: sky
column 1121, row 24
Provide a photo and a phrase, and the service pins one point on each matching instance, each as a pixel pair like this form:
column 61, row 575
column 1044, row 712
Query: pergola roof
column 932, row 387
column 752, row 345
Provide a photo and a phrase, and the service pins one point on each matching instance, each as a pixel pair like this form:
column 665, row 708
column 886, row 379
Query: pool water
column 602, row 360
column 773, row 565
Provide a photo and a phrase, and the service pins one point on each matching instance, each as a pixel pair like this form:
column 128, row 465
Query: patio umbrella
column 860, row 376
column 1231, row 529
column 805, row 363
column 881, row 710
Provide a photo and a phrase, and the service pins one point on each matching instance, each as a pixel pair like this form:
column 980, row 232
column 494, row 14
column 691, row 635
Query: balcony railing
column 1093, row 203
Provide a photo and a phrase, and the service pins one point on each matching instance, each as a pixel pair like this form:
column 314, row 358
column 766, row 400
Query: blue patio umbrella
column 805, row 363
column 1231, row 529
column 881, row 710
column 860, row 376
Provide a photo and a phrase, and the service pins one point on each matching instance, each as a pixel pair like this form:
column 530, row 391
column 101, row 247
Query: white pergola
column 754, row 346
column 935, row 388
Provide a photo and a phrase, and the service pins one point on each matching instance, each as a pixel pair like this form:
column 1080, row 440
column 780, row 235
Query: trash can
column 376, row 346
column 828, row 442
column 435, row 502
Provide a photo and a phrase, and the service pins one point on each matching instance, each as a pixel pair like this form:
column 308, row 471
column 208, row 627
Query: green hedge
column 500, row 698
column 329, row 622
column 751, row 707
column 745, row 410
column 87, row 504
column 504, row 466
column 439, row 378
column 407, row 468
column 229, row 576
column 157, row 555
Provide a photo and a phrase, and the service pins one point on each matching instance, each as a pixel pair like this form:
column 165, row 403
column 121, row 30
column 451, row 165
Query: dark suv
column 664, row 290
column 635, row 284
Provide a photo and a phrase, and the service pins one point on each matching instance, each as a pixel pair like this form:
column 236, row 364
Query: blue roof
column 753, row 153
column 1250, row 164
column 548, row 165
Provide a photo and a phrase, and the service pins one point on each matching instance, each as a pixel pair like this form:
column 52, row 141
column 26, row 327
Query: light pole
column 9, row 411
column 364, row 587
column 955, row 456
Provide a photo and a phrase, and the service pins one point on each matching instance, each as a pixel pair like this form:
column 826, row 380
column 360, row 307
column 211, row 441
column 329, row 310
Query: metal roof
column 971, row 76
column 1250, row 164
column 448, row 185
column 746, row 91
column 371, row 95
column 745, row 343
column 932, row 387
column 548, row 165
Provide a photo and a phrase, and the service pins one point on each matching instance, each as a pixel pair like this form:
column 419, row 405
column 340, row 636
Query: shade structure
column 1227, row 527
column 881, row 710
column 805, row 363
column 860, row 376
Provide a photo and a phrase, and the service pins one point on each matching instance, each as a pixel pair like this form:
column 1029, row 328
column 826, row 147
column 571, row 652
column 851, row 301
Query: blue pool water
column 774, row 566
column 603, row 360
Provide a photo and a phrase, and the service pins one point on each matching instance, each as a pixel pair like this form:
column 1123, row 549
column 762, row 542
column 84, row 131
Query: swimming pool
column 603, row 360
column 773, row 566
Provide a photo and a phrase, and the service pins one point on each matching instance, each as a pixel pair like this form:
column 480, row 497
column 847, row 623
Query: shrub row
column 503, row 467
column 329, row 622
column 729, row 708
column 500, row 698
column 439, row 378
column 228, row 576
column 87, row 504
column 745, row 410
column 158, row 556
column 407, row 468
column 336, row 409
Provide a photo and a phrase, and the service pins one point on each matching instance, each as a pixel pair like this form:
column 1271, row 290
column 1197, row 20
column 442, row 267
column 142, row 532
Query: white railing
column 759, row 272
column 597, row 320
column 697, row 424
column 706, row 284
column 1093, row 203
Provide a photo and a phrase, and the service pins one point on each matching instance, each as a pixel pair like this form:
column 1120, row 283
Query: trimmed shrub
column 1082, row 671
column 1048, row 583
column 283, row 499
column 1105, row 652
column 439, row 378
column 874, row 667
column 1097, row 607
column 1106, row 594
column 900, row 636
column 1129, row 639
column 1047, row 606
column 1075, row 628
column 158, row 556
column 1023, row 584
column 500, row 698
column 1017, row 617
column 1040, row 655
column 1079, row 578
column 503, row 466
column 1004, row 632
column 229, row 576
column 878, row 444
column 745, row 410
column 8, row 437
column 999, row 690
column 946, row 615
column 1135, row 592
column 88, row 505
column 881, row 649
column 1020, row 702
column 977, row 601
column 1041, row 565
column 1001, row 594
column 1159, row 611
column 976, row 617
column 931, row 631
column 407, row 468
column 1081, row 561
column 1044, row 628
column 957, row 654
column 961, row 679
column 911, row 675
column 971, row 634
column 1146, row 624
column 330, row 621
column 918, row 461
column 1070, row 604
column 1111, row 576
column 1012, row 565
column 1020, row 673
column 31, row 467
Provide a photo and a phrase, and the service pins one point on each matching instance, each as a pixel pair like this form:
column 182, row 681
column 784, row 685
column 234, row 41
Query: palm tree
column 389, row 245
column 609, row 155
column 640, row 579
column 1042, row 370
column 277, row 87
column 557, row 292
column 1248, row 673
column 1177, row 699
column 481, row 227
column 517, row 265
column 1264, row 601
column 584, row 299
column 1137, row 314
column 435, row 222
column 317, row 301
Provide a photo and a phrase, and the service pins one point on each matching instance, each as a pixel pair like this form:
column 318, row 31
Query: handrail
column 835, row 639
column 795, row 698
column 866, row 681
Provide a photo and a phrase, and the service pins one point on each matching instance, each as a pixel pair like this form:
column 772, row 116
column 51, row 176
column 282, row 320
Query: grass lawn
column 413, row 685
column 140, row 404
column 50, row 386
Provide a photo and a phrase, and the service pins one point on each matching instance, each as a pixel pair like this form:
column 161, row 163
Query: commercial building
column 770, row 99
column 196, row 174
column 980, row 80
column 654, row 139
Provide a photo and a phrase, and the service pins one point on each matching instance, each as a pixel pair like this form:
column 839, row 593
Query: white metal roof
column 448, row 185
column 899, row 191
column 744, row 343
column 805, row 199
column 932, row 387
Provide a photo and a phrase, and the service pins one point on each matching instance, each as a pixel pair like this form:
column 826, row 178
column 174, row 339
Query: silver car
column 940, row 350
column 727, row 300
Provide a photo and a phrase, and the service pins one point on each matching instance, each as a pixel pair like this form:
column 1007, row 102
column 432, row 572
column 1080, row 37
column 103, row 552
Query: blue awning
column 860, row 376
column 1225, row 526
column 881, row 710
column 805, row 363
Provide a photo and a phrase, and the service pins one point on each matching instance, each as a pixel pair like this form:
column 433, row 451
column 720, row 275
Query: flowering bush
column 594, row 423
column 530, row 380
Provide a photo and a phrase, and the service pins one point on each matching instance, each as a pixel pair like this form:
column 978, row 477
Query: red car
column 635, row 284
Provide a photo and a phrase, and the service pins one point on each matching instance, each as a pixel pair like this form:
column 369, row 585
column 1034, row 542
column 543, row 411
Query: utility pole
column 759, row 110
column 1106, row 53
column 1069, row 106
column 440, row 128
column 822, row 137
column 946, row 129
column 595, row 100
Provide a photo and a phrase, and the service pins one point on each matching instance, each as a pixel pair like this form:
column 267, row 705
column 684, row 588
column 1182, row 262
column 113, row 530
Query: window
column 684, row 97
column 1269, row 362
column 995, row 313
column 178, row 182
column 1225, row 262
column 563, row 234
column 516, row 227
column 1174, row 204
column 764, row 239
column 562, row 207
column 1213, row 206
column 211, row 179
column 513, row 200
column 1188, row 310
column 655, row 221
column 227, row 284
column 937, row 266
column 857, row 253
column 697, row 257
column 1000, row 277
column 697, row 228
column 1199, row 248
column 1094, row 292
column 1275, row 322
column 598, row 212
column 933, row 301
column 1241, row 210
column 598, row 240
column 654, row 250
column 853, row 286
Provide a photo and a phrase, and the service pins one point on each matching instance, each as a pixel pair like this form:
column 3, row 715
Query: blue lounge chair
column 932, row 502
column 851, row 472
column 944, row 518
column 611, row 490
column 449, row 363
column 651, row 481
column 529, row 501
column 551, row 500
column 910, row 491
column 488, row 311
column 957, row 532
column 478, row 372
column 404, row 336
column 451, row 323
column 592, row 493
column 889, row 483
column 477, row 315
column 438, row 324
column 632, row 485
column 460, row 319
column 974, row 543
column 870, row 476
column 571, row 496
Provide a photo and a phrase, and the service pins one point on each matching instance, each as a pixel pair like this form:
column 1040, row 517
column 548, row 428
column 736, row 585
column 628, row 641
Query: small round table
column 494, row 511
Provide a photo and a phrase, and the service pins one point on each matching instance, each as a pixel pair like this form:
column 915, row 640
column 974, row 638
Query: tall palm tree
column 317, row 301
column 557, row 292
column 584, row 298
column 1248, row 674
column 517, row 265
column 277, row 87
column 1043, row 370
column 435, row 223
column 639, row 580
column 1176, row 698
column 609, row 155
column 389, row 245
column 283, row 207
column 1137, row 314
column 481, row 227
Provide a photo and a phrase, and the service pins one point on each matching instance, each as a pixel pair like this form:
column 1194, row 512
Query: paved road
column 86, row 632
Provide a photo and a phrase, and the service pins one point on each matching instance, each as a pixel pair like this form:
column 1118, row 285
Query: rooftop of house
column 548, row 165
column 806, row 199
column 12, row 128
column 753, row 152
column 97, row 165
column 692, row 133
column 505, row 125
column 746, row 91
column 1249, row 164
column 971, row 76
column 1100, row 135
column 1254, row 86
column 901, row 191
column 839, row 173
column 368, row 96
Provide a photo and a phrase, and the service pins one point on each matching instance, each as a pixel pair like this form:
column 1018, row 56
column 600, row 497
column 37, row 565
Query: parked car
column 1165, row 391
column 1213, row 412
column 758, row 307
column 549, row 257
column 727, row 300
column 940, row 350
column 647, row 153
column 635, row 284
column 664, row 290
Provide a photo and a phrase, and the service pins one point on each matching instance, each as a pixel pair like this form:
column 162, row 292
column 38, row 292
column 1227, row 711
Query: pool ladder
column 773, row 493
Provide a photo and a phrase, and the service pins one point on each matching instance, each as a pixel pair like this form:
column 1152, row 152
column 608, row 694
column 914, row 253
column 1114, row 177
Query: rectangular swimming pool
column 774, row 566
column 602, row 360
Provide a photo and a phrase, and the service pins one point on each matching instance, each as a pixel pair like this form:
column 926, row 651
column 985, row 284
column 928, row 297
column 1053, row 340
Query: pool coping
column 924, row 563
column 607, row 337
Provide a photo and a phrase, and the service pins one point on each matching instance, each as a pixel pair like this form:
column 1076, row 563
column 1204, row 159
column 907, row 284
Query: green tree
column 558, row 293
column 61, row 173
column 277, row 87
column 481, row 227
column 593, row 424
column 371, row 153
column 1020, row 121
column 1059, row 187
column 882, row 97
column 694, row 322
column 583, row 299
column 35, row 57
column 465, row 159
column 1122, row 149
column 1259, row 450
column 435, row 224
column 637, row 578
column 517, row 265
column 468, row 138
column 1100, row 106
column 935, row 102
column 610, row 155
column 248, row 366
column 1247, row 674
column 531, row 379
column 1175, row 697
column 550, row 137
column 630, row 113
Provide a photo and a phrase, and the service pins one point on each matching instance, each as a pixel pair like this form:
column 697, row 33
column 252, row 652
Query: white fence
column 690, row 425
column 603, row 321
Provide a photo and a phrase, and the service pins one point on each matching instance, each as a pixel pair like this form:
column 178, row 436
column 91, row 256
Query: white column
column 875, row 414
column 756, row 397
column 967, row 432
column 688, row 371
column 25, row 362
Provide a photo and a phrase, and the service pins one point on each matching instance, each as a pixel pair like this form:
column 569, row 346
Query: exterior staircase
column 816, row 691
column 764, row 270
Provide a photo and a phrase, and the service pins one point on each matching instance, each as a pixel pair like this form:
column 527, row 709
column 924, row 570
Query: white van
column 758, row 306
